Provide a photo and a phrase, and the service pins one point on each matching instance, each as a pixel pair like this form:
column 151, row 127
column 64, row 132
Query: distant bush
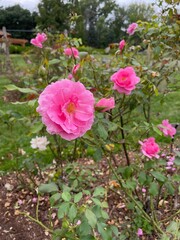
column 15, row 49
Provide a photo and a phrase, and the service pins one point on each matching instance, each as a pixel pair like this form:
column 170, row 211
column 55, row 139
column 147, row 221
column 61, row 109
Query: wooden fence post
column 6, row 42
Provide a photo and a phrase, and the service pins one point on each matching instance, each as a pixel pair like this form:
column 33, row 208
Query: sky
column 32, row 4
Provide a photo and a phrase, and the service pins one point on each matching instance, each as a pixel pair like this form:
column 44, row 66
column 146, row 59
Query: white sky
column 32, row 4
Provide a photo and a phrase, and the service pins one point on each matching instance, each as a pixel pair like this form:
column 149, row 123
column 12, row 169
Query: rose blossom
column 139, row 232
column 122, row 44
column 167, row 128
column 150, row 148
column 38, row 40
column 75, row 68
column 39, row 143
column 125, row 80
column 67, row 109
column 71, row 52
column 131, row 29
column 106, row 104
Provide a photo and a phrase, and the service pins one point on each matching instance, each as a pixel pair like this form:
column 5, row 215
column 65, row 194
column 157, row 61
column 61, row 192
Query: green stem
column 169, row 218
column 37, row 221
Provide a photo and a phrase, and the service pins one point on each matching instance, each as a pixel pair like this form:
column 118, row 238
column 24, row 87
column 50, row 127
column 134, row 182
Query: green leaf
column 37, row 127
column 102, row 131
column 78, row 197
column 72, row 212
column 142, row 178
column 48, row 188
column 66, row 196
column 63, row 210
column 12, row 87
column 91, row 217
column 54, row 198
column 99, row 191
column 153, row 190
column 170, row 188
column 54, row 61
column 97, row 156
column 160, row 177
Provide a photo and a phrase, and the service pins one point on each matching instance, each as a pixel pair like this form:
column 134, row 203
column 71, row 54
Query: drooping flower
column 139, row 232
column 105, row 104
column 131, row 28
column 122, row 44
column 71, row 52
column 38, row 40
column 143, row 190
column 67, row 109
column 125, row 80
column 150, row 148
column 167, row 128
column 39, row 143
column 75, row 68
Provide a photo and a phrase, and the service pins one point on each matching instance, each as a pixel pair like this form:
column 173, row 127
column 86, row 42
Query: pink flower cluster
column 167, row 128
column 71, row 52
column 150, row 148
column 67, row 109
column 105, row 104
column 39, row 40
column 131, row 29
column 125, row 80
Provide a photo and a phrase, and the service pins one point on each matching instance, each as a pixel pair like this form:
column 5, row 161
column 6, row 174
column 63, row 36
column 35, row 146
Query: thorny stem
column 123, row 143
column 37, row 221
column 146, row 216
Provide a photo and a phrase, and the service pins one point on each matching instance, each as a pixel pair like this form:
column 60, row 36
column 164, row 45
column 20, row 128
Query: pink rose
column 38, row 40
column 150, row 148
column 71, row 52
column 106, row 104
column 122, row 44
column 131, row 29
column 139, row 232
column 75, row 68
column 67, row 109
column 41, row 37
column 167, row 128
column 125, row 80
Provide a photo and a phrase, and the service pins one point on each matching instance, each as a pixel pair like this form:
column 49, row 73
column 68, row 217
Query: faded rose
column 67, row 109
column 125, row 80
column 105, row 104
column 150, row 148
column 167, row 128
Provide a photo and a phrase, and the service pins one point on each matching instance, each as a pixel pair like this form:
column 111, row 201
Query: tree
column 139, row 11
column 53, row 15
column 17, row 18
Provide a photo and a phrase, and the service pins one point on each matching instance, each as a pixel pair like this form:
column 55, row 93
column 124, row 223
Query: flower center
column 71, row 107
column 123, row 78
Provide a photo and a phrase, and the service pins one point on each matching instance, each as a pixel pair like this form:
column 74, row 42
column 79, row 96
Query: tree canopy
column 18, row 18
